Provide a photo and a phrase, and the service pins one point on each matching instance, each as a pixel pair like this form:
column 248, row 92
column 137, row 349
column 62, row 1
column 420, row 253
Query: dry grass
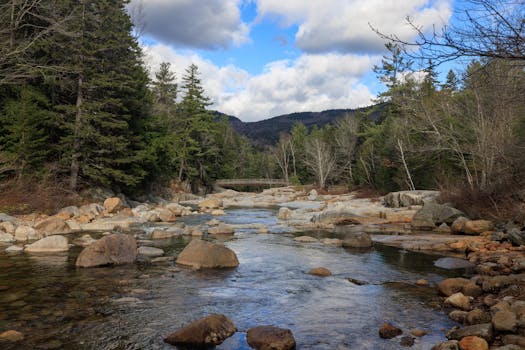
column 27, row 196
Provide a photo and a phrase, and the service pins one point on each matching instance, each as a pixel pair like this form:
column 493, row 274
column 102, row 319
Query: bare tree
column 282, row 153
column 346, row 141
column 482, row 28
column 320, row 159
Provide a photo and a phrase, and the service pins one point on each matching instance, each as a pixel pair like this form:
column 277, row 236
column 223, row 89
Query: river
column 57, row 306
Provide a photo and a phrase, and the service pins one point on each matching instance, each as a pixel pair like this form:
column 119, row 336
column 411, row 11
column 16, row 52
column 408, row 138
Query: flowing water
column 57, row 306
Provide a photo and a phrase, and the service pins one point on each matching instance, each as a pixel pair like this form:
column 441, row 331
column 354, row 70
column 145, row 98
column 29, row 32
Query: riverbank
column 389, row 221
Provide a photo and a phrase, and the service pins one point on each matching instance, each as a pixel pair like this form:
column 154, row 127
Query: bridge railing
column 251, row 182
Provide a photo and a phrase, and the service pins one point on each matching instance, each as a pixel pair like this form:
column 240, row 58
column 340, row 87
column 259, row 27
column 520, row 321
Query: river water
column 57, row 306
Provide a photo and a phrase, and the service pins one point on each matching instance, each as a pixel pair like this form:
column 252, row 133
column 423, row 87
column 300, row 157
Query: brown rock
column 477, row 316
column 306, row 239
column 221, row 229
column 210, row 203
column 270, row 338
column 203, row 254
column 208, row 331
column 387, row 331
column 115, row 249
column 458, row 224
column 422, row 283
column 458, row 300
column 418, row 332
column 458, row 316
column 320, row 271
column 451, row 286
column 11, row 336
column 448, row 345
column 475, row 227
column 50, row 244
column 113, row 205
column 167, row 215
column 484, row 330
column 513, row 339
column 473, row 343
column 504, row 321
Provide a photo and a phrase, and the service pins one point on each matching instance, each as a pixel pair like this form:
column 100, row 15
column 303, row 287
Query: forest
column 79, row 109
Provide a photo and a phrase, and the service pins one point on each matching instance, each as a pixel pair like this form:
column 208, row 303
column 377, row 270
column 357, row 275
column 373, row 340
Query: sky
column 263, row 58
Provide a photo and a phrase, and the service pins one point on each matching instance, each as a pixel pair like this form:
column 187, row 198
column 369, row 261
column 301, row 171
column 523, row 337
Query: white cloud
column 344, row 25
column 308, row 83
column 206, row 24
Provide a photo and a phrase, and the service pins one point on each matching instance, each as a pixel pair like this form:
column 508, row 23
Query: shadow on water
column 56, row 305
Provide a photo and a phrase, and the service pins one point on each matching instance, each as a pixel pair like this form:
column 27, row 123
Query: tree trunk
column 75, row 165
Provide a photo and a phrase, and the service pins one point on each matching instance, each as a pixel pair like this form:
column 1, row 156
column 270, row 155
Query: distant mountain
column 266, row 132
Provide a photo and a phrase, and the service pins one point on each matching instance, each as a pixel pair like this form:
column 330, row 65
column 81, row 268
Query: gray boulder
column 516, row 236
column 408, row 198
column 433, row 214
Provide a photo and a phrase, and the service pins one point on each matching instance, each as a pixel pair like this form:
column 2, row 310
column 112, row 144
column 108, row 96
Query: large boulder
column 166, row 215
column 433, row 214
column 115, row 249
column 53, row 226
column 270, row 338
column 475, row 227
column 113, row 204
column 357, row 240
column 68, row 212
column 207, row 332
column 451, row 286
column 473, row 343
column 211, row 203
column 516, row 236
column 26, row 233
column 6, row 237
column 409, row 198
column 203, row 254
column 49, row 244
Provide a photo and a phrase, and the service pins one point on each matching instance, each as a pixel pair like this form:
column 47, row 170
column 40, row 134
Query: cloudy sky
column 262, row 58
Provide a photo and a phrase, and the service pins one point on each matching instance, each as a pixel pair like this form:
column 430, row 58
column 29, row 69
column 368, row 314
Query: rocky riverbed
column 119, row 231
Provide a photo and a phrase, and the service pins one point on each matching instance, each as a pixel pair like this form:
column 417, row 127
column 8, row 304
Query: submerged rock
column 453, row 263
column 306, row 239
column 388, row 331
column 208, row 331
column 115, row 249
column 203, row 254
column 357, row 240
column 151, row 252
column 221, row 229
column 320, row 271
column 270, row 338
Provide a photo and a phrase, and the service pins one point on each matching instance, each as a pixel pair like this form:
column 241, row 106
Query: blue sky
column 262, row 58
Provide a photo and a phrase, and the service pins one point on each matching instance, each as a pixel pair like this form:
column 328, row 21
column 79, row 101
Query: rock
column 84, row 241
column 458, row 224
column 516, row 236
column 387, row 331
column 11, row 336
column 458, row 316
column 7, row 227
column 473, row 343
column 484, row 330
column 150, row 251
column 451, row 286
column 459, row 301
column 68, row 212
column 217, row 212
column 164, row 234
column 320, row 271
column 453, row 263
column 151, row 216
column 443, row 228
column 312, row 195
column 125, row 300
column 263, row 230
column 333, row 241
column 211, row 203
column 433, row 214
column 166, row 215
column 213, row 222
column 115, row 249
column 284, row 213
column 113, row 205
column 495, row 283
column 475, row 227
column 176, row 208
column 407, row 341
column 91, row 210
column 408, row 198
column 357, row 240
column 418, row 332
column 7, row 218
column 208, row 331
column 513, row 339
column 49, row 244
column 504, row 321
column 53, row 226
column 422, row 283
column 14, row 249
column 306, row 239
column 203, row 254
column 6, row 237
column 221, row 229
column 477, row 316
column 270, row 338
column 510, row 347
column 448, row 345
column 26, row 233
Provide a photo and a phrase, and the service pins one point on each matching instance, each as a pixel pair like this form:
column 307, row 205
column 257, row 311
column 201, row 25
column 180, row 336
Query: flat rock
column 270, row 338
column 49, row 244
column 53, row 226
column 453, row 263
column 150, row 252
column 115, row 249
column 206, row 332
column 306, row 239
column 221, row 229
column 203, row 254
column 484, row 330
